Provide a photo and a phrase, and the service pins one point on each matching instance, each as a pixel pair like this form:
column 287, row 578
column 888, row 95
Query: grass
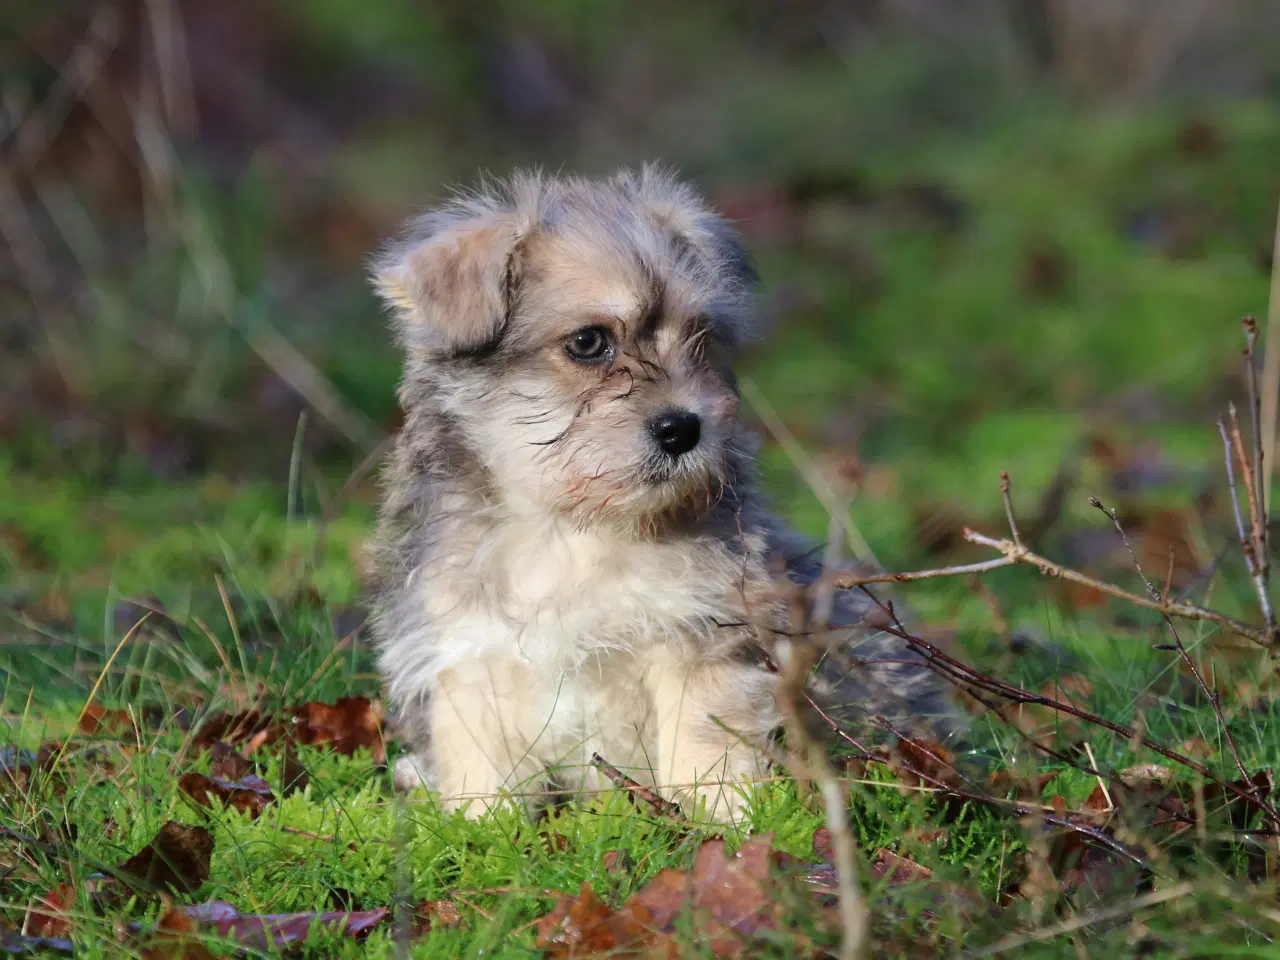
column 1098, row 267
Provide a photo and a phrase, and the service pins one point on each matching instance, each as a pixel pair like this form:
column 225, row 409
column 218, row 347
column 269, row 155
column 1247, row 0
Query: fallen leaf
column 728, row 895
column 228, row 762
column 276, row 930
column 231, row 728
column 293, row 775
column 617, row 861
column 17, row 766
column 926, row 764
column 349, row 724
column 431, row 914
column 582, row 925
column 250, row 794
column 96, row 719
column 176, row 937
column 896, row 869
column 177, row 858
column 49, row 918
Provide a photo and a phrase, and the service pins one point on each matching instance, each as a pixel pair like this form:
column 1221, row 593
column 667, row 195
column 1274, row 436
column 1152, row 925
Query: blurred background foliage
column 994, row 235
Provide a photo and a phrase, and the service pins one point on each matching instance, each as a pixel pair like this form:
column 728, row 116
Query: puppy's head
column 575, row 335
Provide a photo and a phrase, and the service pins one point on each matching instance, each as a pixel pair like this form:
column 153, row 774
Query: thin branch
column 1255, row 412
column 1174, row 608
column 1087, row 919
column 663, row 806
column 1270, row 393
column 1259, row 585
column 1212, row 694
column 1251, row 492
column 964, row 569
column 1008, row 507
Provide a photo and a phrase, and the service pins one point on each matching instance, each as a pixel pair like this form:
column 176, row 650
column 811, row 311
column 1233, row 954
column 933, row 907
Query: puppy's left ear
column 453, row 281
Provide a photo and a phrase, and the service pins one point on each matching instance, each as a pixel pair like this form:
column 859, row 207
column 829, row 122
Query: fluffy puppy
column 571, row 557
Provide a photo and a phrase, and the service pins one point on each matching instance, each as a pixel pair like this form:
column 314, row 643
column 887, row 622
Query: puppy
column 571, row 556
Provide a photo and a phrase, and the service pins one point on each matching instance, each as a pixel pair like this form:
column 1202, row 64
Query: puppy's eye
column 588, row 345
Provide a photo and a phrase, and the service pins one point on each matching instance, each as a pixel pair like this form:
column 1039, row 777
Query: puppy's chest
column 561, row 595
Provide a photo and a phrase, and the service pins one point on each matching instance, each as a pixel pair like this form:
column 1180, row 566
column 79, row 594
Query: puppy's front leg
column 699, row 760
column 477, row 748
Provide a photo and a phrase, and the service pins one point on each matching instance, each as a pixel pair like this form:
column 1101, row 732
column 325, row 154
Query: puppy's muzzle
column 676, row 431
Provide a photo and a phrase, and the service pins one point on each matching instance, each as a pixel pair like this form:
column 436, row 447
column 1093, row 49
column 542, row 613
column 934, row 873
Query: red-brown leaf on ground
column 276, row 930
column 617, row 861
column 49, row 918
column 925, row 764
column 17, row 766
column 433, row 914
column 1004, row 780
column 347, row 725
column 228, row 762
column 731, row 899
column 1239, row 809
column 896, row 869
column 250, row 794
column 97, row 719
column 176, row 937
column 232, row 728
column 293, row 775
column 177, row 858
column 582, row 926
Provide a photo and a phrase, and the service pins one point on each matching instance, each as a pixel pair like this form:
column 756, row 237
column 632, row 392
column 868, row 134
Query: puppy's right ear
column 453, row 281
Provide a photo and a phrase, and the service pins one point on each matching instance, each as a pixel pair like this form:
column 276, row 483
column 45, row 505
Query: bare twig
column 31, row 137
column 1271, row 369
column 1008, row 507
column 848, row 582
column 1259, row 585
column 1251, row 492
column 1174, row 608
column 962, row 673
column 1255, row 413
column 1086, row 920
column 637, row 789
column 1212, row 694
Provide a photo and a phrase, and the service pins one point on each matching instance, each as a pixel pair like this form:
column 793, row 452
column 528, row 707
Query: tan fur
column 552, row 582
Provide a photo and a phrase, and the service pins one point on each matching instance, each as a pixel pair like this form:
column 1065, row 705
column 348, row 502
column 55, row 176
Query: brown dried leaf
column 581, row 925
column 49, row 918
column 435, row 913
column 926, row 764
column 348, row 725
column 231, row 728
column 896, row 869
column 176, row 937
column 177, row 858
column 250, row 795
column 17, row 766
column 277, row 930
column 97, row 719
column 293, row 775
column 228, row 762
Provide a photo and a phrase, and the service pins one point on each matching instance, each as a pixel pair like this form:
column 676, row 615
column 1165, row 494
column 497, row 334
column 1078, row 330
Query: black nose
column 677, row 431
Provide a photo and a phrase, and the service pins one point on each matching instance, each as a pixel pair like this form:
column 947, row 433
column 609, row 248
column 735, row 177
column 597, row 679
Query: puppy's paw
column 410, row 773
